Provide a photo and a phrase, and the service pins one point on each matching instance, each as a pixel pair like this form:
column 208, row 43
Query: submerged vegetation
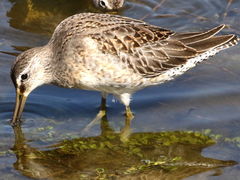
column 165, row 154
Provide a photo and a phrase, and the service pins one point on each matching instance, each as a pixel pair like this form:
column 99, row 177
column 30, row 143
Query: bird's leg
column 100, row 114
column 125, row 98
column 103, row 102
column 103, row 107
column 129, row 114
column 126, row 130
column 106, row 129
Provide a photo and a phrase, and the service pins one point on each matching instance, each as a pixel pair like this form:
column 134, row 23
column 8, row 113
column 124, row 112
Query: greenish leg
column 129, row 114
column 126, row 130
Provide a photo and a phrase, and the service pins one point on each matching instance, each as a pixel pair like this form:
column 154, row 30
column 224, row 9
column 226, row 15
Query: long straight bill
column 20, row 102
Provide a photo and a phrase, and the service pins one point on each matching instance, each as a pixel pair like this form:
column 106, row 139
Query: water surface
column 187, row 128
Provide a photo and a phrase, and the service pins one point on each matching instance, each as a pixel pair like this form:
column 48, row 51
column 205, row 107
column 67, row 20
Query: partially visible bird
column 112, row 54
column 108, row 4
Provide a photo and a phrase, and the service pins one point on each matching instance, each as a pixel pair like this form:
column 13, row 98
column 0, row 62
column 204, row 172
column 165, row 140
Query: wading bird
column 111, row 54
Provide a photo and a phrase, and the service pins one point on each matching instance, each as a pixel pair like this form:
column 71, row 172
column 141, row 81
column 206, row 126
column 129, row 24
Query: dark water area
column 188, row 128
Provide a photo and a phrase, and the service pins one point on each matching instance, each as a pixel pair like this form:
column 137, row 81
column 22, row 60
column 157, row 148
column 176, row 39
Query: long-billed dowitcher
column 111, row 54
column 108, row 4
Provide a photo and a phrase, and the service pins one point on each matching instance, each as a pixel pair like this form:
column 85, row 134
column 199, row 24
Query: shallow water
column 205, row 100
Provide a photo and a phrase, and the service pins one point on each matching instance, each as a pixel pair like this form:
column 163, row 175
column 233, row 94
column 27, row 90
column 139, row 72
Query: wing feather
column 151, row 50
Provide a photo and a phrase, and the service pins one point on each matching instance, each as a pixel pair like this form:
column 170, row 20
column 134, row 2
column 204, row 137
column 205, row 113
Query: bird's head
column 109, row 5
column 29, row 71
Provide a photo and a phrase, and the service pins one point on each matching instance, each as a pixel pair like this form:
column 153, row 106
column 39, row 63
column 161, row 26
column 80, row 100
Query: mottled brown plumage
column 113, row 54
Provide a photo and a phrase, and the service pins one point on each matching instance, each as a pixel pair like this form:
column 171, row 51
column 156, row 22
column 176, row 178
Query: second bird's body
column 109, row 5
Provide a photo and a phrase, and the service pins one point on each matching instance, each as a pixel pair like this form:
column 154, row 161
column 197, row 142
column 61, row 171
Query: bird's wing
column 151, row 50
column 148, row 50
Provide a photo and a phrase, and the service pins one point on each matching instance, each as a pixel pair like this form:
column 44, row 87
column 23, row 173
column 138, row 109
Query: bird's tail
column 208, row 40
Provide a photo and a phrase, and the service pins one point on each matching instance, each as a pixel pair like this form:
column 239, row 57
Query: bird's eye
column 102, row 4
column 24, row 77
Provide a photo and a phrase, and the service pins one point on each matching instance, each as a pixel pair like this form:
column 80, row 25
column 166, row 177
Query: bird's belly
column 110, row 81
column 105, row 73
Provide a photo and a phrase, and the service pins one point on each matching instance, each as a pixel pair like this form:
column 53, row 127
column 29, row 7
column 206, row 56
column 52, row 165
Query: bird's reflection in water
column 148, row 155
column 102, row 116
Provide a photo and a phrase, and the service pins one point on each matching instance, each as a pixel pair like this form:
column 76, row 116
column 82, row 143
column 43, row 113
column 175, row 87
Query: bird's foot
column 16, row 123
column 126, row 130
column 129, row 114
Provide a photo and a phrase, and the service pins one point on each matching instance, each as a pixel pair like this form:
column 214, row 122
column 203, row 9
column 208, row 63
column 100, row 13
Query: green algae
column 107, row 157
column 219, row 138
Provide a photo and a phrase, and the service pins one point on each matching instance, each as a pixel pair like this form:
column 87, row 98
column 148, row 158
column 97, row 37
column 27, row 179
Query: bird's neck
column 56, row 67
column 45, row 63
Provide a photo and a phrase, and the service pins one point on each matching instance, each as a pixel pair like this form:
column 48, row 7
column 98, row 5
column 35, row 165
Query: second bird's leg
column 100, row 115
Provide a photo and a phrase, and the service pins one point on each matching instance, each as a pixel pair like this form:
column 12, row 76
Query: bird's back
column 146, row 54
